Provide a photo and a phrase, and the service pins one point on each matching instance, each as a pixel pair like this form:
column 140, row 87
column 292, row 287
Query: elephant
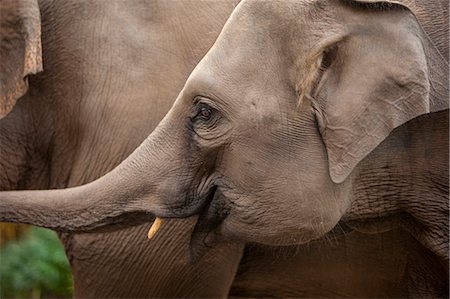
column 258, row 147
column 104, row 71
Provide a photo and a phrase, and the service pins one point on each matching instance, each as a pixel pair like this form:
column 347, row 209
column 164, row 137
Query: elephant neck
column 404, row 184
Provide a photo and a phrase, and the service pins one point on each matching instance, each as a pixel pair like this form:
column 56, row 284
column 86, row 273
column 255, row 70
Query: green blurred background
column 32, row 263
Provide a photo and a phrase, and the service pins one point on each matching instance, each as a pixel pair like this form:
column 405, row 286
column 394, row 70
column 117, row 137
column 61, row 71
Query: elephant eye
column 204, row 112
column 207, row 120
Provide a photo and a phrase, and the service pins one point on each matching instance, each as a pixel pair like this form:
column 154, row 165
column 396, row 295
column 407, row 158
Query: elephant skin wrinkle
column 300, row 117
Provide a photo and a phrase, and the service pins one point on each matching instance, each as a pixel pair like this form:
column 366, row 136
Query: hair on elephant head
column 266, row 138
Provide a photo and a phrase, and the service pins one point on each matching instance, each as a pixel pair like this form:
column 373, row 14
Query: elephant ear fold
column 374, row 80
column 20, row 49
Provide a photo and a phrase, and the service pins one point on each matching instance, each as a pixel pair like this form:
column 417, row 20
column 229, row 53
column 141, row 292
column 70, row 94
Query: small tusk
column 154, row 228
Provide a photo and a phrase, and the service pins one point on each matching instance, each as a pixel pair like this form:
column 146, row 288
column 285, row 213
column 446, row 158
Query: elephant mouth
column 211, row 211
column 209, row 198
column 200, row 203
column 211, row 216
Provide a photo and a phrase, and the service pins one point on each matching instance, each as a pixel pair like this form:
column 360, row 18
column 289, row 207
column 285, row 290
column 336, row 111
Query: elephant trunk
column 129, row 192
column 81, row 208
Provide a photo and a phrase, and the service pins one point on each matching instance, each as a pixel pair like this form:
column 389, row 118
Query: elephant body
column 111, row 73
column 112, row 70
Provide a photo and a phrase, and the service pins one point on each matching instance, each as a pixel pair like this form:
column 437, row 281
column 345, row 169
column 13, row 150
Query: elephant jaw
column 211, row 213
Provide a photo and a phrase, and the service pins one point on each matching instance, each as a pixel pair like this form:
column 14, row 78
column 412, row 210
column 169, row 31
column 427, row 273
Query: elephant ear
column 20, row 49
column 383, row 73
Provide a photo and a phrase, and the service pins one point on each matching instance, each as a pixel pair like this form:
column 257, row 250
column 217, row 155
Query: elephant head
column 266, row 137
column 20, row 50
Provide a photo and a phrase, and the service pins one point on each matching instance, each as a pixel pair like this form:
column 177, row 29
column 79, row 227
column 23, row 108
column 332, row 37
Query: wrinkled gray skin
column 281, row 152
column 111, row 72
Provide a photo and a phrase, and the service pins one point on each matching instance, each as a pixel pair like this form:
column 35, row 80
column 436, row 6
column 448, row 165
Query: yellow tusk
column 154, row 228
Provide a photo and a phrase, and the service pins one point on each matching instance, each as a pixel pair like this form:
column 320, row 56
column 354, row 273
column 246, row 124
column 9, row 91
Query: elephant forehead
column 269, row 12
column 260, row 48
column 251, row 63
column 236, row 80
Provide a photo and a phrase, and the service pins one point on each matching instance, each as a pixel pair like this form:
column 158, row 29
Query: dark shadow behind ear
column 383, row 74
column 20, row 49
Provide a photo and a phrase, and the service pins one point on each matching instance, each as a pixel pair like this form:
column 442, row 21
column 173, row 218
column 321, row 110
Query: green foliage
column 34, row 266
